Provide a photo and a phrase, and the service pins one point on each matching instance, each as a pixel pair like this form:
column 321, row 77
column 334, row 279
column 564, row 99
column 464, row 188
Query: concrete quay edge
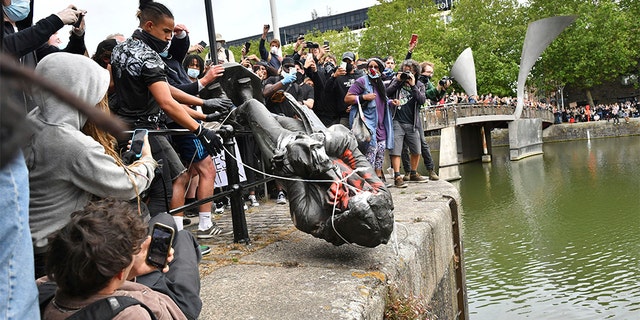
column 287, row 274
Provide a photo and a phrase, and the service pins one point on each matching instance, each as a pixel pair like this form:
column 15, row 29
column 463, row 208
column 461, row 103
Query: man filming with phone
column 119, row 267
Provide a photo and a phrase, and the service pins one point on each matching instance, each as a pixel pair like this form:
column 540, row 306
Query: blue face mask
column 164, row 54
column 193, row 73
column 17, row 10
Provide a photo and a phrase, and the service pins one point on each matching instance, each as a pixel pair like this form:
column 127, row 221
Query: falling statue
column 333, row 190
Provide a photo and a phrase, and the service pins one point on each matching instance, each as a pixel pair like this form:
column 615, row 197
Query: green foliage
column 600, row 46
column 597, row 47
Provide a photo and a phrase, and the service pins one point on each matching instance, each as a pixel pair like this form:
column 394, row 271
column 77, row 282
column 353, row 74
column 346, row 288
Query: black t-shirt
column 406, row 111
column 135, row 66
column 306, row 92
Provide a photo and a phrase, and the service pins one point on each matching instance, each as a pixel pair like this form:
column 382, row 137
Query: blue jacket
column 363, row 86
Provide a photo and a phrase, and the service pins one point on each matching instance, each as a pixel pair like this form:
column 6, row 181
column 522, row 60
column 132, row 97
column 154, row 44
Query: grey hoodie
column 65, row 165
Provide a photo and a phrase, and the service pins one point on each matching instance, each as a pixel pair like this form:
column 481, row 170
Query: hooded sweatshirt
column 66, row 166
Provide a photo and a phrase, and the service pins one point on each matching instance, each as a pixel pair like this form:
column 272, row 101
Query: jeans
column 18, row 291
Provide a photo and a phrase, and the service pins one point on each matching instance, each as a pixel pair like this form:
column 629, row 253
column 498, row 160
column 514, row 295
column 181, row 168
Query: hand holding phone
column 137, row 141
column 343, row 65
column 414, row 40
column 160, row 246
column 202, row 44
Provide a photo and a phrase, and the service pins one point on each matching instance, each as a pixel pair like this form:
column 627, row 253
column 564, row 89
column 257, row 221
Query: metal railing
column 445, row 115
column 235, row 188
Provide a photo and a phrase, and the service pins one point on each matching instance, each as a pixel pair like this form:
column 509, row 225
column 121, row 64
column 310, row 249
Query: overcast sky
column 233, row 18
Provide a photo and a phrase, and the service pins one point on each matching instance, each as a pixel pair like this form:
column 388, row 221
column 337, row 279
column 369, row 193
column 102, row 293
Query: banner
column 221, row 167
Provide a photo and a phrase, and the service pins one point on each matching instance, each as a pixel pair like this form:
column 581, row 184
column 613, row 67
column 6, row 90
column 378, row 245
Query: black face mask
column 424, row 79
column 156, row 44
column 349, row 67
column 299, row 77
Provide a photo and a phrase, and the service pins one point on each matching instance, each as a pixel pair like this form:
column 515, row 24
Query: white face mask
column 193, row 73
column 17, row 10
column 274, row 50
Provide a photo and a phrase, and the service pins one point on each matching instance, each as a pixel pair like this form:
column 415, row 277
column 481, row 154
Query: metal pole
column 213, row 53
column 274, row 20
column 240, row 230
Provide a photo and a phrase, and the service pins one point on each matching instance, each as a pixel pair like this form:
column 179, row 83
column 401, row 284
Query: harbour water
column 555, row 236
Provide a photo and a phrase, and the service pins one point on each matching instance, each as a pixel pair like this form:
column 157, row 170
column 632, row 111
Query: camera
column 405, row 76
column 444, row 80
column 312, row 45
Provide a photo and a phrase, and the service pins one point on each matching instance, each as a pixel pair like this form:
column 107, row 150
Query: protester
column 67, row 167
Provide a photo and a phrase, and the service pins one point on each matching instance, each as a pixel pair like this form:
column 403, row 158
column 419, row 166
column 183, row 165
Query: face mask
column 299, row 78
column 274, row 50
column 373, row 73
column 154, row 43
column 349, row 67
column 388, row 72
column 193, row 73
column 218, row 45
column 164, row 54
column 17, row 10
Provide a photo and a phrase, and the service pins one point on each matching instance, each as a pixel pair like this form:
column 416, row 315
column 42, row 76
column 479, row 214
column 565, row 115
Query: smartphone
column 137, row 141
column 247, row 45
column 343, row 65
column 161, row 239
column 309, row 56
column 326, row 43
column 414, row 39
column 203, row 44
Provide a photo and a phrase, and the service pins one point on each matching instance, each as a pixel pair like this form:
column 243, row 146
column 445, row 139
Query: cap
column 299, row 62
column 220, row 38
column 287, row 61
column 349, row 55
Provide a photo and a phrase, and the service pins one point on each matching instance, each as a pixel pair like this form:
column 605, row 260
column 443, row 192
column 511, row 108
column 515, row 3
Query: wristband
column 361, row 98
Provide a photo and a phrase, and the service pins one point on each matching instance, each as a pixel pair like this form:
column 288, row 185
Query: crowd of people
column 82, row 203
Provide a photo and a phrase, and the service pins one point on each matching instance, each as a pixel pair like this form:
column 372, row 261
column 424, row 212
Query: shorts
column 405, row 134
column 189, row 148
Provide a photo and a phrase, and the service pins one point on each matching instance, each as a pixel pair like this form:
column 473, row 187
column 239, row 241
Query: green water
column 555, row 236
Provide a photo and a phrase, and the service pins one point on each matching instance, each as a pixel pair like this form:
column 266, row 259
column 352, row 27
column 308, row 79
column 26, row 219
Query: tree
column 601, row 45
column 494, row 30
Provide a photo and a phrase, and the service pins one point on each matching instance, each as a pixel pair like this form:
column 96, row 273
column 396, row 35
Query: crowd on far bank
column 571, row 114
column 609, row 112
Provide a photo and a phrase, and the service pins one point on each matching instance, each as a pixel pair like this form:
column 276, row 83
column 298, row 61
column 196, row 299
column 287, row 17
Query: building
column 353, row 20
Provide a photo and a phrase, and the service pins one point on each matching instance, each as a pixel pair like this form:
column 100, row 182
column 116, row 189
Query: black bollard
column 240, row 231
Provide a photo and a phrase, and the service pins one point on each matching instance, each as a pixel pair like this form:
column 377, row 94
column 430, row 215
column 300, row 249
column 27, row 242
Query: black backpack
column 103, row 309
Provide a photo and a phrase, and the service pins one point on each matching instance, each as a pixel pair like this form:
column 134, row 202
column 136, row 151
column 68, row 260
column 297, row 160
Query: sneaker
column 254, row 201
column 214, row 230
column 399, row 182
column 281, row 199
column 219, row 208
column 416, row 177
column 204, row 250
column 433, row 175
column 407, row 177
column 186, row 221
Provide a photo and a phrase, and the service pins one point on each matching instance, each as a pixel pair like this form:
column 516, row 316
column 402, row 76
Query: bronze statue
column 334, row 192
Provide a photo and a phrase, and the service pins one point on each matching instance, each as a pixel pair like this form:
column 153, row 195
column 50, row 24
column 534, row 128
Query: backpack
column 103, row 309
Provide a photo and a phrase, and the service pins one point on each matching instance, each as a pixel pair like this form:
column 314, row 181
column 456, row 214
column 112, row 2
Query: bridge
column 465, row 132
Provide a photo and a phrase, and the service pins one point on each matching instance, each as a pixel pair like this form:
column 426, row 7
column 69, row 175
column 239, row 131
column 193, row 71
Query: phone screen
column 343, row 65
column 203, row 44
column 161, row 238
column 414, row 38
column 137, row 141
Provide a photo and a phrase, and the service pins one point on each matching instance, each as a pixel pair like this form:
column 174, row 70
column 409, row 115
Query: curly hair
column 98, row 242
